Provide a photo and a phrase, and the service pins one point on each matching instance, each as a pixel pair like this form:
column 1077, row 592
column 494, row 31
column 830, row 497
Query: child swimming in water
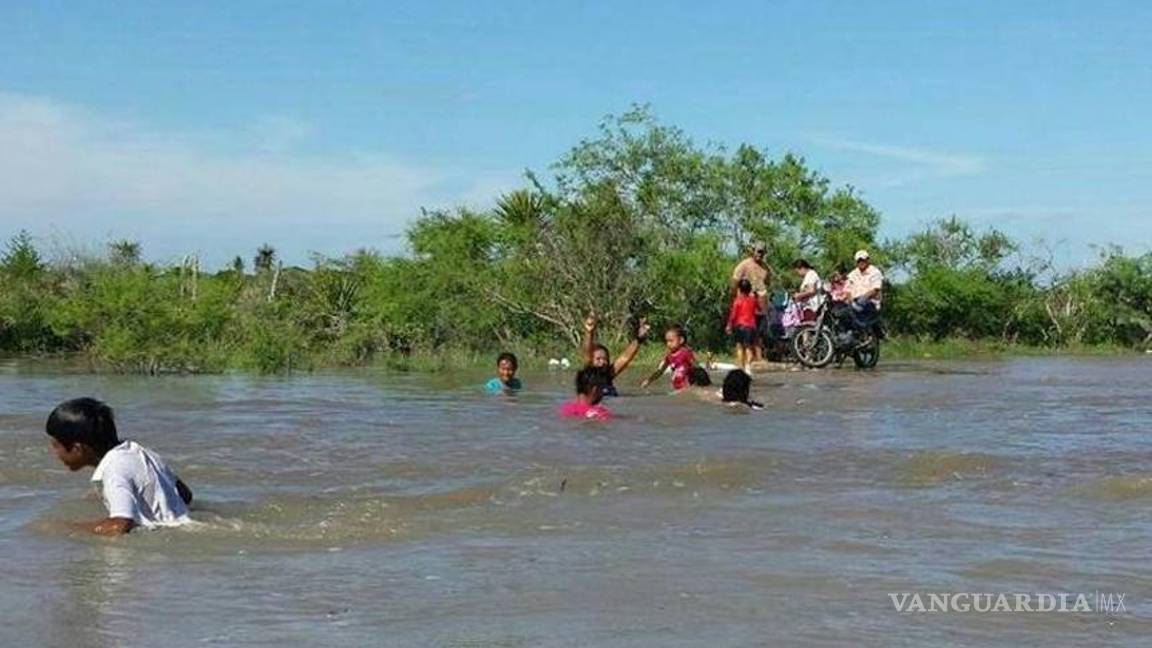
column 590, row 382
column 597, row 356
column 679, row 358
column 700, row 385
column 736, row 389
column 139, row 489
column 505, row 381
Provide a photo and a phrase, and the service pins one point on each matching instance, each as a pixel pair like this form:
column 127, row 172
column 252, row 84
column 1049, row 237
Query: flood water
column 378, row 508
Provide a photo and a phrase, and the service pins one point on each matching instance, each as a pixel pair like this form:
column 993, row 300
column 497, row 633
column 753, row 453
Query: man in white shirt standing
column 139, row 489
column 865, row 286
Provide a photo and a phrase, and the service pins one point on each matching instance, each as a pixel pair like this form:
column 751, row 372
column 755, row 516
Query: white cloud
column 912, row 164
column 66, row 169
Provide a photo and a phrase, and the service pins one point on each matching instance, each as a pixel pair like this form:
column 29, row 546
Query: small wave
column 523, row 503
column 1121, row 488
column 933, row 467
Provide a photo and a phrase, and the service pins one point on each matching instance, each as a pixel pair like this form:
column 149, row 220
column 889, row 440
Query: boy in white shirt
column 139, row 489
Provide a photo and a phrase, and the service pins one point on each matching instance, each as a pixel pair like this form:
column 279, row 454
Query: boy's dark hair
column 745, row 286
column 83, row 420
column 601, row 347
column 699, row 377
column 680, row 330
column 802, row 263
column 510, row 357
column 737, row 387
column 590, row 377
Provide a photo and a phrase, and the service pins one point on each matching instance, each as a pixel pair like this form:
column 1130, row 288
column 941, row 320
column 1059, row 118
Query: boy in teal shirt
column 506, row 381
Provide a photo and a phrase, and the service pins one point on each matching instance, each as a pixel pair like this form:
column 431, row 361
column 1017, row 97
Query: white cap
column 861, row 254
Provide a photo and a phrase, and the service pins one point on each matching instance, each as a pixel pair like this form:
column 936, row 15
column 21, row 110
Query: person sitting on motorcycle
column 808, row 296
column 865, row 285
column 838, row 284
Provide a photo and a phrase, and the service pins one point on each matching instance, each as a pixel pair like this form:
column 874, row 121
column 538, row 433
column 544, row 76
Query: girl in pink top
column 590, row 383
column 680, row 358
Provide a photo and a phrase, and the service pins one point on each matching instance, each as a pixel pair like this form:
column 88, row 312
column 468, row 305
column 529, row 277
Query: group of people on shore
column 750, row 319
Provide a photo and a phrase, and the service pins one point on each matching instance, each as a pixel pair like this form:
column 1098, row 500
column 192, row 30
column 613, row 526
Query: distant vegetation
column 638, row 220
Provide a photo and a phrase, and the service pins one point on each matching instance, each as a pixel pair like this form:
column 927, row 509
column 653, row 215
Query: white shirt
column 138, row 485
column 862, row 283
column 810, row 283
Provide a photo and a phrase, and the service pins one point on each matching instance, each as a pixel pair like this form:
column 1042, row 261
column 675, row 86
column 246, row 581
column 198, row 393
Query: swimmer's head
column 675, row 337
column 83, row 430
column 600, row 357
column 506, row 366
column 590, row 383
column 699, row 377
column 737, row 386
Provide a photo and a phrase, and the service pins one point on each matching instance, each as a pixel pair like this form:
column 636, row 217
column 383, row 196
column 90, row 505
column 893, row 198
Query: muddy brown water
column 375, row 508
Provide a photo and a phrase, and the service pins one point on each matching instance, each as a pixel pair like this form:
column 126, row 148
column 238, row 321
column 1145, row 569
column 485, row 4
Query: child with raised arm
column 505, row 381
column 597, row 356
column 679, row 357
column 139, row 489
column 742, row 323
column 590, row 382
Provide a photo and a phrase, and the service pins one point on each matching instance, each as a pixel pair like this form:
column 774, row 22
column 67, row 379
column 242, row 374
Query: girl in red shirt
column 742, row 323
column 679, row 358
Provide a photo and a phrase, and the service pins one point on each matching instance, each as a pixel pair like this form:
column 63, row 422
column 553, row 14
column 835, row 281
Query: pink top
column 681, row 361
column 577, row 409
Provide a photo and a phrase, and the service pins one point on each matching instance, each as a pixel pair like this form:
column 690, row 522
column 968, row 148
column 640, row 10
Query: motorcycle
column 836, row 333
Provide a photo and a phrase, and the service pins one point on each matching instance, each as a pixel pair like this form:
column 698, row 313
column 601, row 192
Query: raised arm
column 632, row 349
column 589, row 338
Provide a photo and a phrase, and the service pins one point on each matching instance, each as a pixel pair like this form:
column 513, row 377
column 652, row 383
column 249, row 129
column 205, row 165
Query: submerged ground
column 368, row 507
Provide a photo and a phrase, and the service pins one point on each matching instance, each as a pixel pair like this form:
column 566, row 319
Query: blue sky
column 213, row 127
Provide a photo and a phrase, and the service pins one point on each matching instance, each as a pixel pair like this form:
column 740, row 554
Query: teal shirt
column 495, row 386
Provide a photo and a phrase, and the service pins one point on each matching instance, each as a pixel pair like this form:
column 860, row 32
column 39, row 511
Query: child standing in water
column 139, row 488
column 590, row 382
column 505, row 381
column 596, row 355
column 679, row 358
column 742, row 323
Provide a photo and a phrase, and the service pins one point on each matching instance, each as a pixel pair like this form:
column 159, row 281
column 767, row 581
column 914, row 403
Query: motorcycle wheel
column 867, row 357
column 813, row 347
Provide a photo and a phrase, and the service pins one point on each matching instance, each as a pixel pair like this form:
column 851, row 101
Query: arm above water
column 589, row 338
column 632, row 349
column 655, row 374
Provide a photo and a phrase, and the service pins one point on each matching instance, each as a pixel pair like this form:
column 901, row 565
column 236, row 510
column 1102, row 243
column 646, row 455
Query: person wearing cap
column 759, row 275
column 754, row 270
column 865, row 285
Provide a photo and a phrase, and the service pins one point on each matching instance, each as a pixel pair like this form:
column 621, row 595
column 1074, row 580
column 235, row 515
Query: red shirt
column 681, row 361
column 577, row 409
column 743, row 311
